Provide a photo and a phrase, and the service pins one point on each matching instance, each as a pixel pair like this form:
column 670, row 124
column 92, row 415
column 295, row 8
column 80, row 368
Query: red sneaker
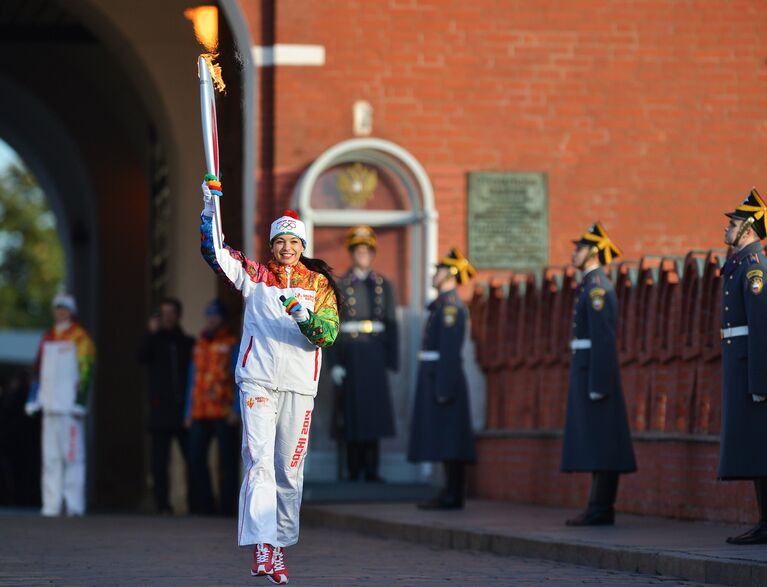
column 279, row 575
column 262, row 560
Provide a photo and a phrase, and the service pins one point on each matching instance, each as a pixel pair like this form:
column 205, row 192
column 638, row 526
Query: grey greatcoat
column 441, row 421
column 367, row 356
column 597, row 436
column 744, row 366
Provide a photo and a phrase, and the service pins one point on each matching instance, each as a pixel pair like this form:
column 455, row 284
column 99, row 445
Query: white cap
column 65, row 300
column 288, row 223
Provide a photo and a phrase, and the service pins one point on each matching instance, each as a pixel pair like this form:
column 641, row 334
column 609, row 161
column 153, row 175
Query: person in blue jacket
column 597, row 439
column 744, row 340
column 441, row 422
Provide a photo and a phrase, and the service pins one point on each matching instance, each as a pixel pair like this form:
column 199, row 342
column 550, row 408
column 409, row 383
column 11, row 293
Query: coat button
column 726, row 293
column 729, row 341
column 729, row 324
column 726, row 308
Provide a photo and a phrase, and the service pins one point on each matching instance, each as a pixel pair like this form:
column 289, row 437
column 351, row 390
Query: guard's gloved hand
column 31, row 408
column 595, row 397
column 758, row 398
column 211, row 188
column 338, row 374
column 295, row 309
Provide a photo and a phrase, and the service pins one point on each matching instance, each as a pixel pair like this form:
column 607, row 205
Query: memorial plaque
column 508, row 220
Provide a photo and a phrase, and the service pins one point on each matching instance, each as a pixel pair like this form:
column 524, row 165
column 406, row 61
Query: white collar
column 62, row 326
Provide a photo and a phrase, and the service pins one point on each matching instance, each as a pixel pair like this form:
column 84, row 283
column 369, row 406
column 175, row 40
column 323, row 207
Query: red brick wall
column 649, row 115
column 675, row 479
column 671, row 374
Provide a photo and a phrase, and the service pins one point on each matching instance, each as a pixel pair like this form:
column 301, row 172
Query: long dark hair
column 319, row 266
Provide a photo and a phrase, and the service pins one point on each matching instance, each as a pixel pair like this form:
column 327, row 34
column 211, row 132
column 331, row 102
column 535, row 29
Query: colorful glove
column 295, row 309
column 210, row 187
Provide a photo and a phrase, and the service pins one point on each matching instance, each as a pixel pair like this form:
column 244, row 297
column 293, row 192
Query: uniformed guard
column 597, row 437
column 441, row 421
column 744, row 345
column 365, row 350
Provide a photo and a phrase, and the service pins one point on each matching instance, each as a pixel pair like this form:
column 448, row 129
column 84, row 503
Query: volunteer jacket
column 63, row 370
column 275, row 351
column 211, row 392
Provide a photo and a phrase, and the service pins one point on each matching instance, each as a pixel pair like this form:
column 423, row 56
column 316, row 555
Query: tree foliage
column 31, row 257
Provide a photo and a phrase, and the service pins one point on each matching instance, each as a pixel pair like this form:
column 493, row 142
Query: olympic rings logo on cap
column 288, row 225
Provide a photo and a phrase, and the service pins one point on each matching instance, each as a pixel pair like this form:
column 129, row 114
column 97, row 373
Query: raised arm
column 238, row 270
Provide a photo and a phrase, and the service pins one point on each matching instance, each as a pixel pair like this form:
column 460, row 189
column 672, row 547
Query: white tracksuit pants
column 63, row 464
column 275, row 437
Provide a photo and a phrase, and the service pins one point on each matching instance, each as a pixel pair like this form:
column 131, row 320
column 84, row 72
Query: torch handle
column 210, row 132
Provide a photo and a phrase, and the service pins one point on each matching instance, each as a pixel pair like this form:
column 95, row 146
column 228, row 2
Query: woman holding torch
column 291, row 313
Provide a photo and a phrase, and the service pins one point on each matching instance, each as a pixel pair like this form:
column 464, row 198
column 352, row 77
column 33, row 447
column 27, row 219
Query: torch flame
column 205, row 21
column 215, row 71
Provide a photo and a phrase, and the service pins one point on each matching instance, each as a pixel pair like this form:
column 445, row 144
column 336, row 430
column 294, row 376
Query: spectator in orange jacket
column 213, row 409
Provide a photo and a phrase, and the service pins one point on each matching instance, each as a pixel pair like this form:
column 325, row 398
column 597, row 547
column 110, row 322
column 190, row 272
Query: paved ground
column 142, row 550
column 695, row 551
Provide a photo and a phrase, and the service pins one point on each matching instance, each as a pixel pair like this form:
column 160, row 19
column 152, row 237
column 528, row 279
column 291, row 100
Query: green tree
column 31, row 257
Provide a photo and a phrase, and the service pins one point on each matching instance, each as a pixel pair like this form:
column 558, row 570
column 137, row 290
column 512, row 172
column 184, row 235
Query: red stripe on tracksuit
column 247, row 352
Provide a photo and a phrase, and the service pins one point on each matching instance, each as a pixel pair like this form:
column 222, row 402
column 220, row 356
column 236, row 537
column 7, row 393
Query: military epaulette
column 753, row 259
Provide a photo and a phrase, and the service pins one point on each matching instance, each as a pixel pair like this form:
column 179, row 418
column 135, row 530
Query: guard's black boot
column 757, row 534
column 371, row 460
column 593, row 517
column 354, row 460
column 451, row 498
column 440, row 503
column 601, row 510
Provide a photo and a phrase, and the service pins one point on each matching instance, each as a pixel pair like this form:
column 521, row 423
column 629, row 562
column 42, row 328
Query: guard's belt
column 734, row 331
column 428, row 355
column 362, row 326
column 579, row 344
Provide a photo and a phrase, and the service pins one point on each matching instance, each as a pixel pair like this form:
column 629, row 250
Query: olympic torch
column 205, row 22
column 210, row 131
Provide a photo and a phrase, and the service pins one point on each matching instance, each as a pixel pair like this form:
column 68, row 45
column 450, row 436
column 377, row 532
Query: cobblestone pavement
column 141, row 550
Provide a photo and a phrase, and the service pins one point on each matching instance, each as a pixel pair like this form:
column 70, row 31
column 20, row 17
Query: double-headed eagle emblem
column 357, row 184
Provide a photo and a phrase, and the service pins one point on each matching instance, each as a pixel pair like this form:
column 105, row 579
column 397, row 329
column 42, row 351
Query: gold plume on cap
column 602, row 243
column 361, row 235
column 459, row 265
